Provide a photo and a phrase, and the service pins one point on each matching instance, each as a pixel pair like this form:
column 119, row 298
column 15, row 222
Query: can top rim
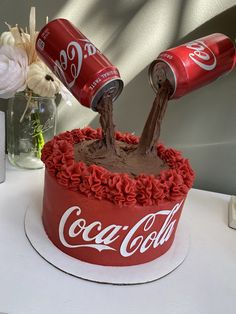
column 116, row 95
column 150, row 75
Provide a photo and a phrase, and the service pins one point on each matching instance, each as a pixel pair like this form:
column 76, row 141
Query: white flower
column 42, row 81
column 13, row 71
column 7, row 39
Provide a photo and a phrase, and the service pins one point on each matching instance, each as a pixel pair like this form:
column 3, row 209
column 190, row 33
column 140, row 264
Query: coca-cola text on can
column 194, row 64
column 79, row 65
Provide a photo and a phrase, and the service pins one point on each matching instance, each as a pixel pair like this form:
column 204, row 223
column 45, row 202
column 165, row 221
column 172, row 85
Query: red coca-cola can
column 79, row 65
column 194, row 64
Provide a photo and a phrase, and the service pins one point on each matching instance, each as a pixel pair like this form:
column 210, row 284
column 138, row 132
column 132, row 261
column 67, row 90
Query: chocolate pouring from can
column 78, row 64
column 194, row 64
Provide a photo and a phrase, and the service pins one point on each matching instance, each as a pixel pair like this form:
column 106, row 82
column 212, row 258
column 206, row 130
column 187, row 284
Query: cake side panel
column 100, row 232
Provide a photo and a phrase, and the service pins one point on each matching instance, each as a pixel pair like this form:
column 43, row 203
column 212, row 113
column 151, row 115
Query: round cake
column 109, row 218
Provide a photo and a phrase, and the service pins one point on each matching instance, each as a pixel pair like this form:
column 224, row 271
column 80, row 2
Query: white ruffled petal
column 13, row 70
column 6, row 38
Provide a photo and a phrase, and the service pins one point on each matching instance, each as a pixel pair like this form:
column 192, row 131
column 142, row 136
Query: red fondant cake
column 110, row 218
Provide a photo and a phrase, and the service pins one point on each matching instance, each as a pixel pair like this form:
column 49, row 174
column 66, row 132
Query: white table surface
column 204, row 284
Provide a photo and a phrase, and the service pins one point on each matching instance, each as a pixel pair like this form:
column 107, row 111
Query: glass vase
column 31, row 122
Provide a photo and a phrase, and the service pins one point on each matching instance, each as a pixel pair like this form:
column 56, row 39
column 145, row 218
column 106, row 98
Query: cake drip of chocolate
column 121, row 157
column 152, row 128
column 105, row 109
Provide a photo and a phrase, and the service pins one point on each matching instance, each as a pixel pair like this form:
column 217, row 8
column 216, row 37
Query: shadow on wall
column 221, row 23
column 201, row 124
column 122, row 13
column 114, row 12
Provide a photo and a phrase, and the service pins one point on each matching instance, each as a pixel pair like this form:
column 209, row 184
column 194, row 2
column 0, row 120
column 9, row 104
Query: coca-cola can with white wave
column 194, row 64
column 79, row 65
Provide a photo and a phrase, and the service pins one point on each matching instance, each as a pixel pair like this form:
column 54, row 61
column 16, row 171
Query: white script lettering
column 200, row 54
column 94, row 236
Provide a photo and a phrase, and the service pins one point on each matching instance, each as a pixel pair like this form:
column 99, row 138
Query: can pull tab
column 160, row 75
column 110, row 92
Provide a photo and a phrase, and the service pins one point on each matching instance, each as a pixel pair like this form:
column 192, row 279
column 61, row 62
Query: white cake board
column 123, row 275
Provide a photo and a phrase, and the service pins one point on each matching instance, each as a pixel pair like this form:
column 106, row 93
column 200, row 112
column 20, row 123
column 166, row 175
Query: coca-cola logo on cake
column 140, row 237
column 100, row 232
column 202, row 55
